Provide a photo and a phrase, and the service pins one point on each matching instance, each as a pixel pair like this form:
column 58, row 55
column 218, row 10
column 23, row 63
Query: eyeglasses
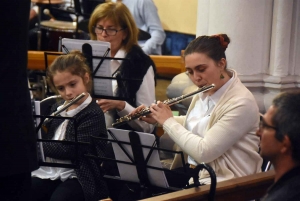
column 110, row 32
column 264, row 125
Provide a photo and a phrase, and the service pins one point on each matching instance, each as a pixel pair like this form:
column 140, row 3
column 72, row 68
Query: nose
column 196, row 76
column 68, row 92
column 104, row 33
column 258, row 132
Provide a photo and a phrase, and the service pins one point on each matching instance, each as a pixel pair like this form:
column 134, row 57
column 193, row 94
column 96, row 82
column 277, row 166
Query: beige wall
column 178, row 15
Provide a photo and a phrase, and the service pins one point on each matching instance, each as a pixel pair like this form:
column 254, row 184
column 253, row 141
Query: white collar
column 73, row 112
column 217, row 95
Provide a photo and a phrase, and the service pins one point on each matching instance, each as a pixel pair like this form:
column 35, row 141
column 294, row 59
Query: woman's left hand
column 160, row 112
column 107, row 105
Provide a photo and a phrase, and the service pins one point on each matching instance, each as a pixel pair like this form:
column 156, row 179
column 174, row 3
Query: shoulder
column 136, row 51
column 139, row 57
column 93, row 108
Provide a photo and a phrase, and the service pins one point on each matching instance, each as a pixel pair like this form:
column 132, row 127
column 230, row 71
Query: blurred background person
column 146, row 18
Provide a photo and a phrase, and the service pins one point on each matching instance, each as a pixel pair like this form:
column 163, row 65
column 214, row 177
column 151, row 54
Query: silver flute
column 168, row 102
column 69, row 104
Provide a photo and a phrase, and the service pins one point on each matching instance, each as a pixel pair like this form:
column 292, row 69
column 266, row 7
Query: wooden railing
column 241, row 189
column 169, row 65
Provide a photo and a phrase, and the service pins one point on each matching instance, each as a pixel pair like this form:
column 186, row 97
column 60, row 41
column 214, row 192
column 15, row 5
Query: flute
column 69, row 104
column 169, row 102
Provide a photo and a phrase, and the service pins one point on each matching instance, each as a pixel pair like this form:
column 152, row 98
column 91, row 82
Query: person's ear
column 286, row 145
column 86, row 78
column 222, row 63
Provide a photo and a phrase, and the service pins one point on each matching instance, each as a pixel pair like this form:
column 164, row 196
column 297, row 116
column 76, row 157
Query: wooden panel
column 36, row 60
column 243, row 188
column 170, row 65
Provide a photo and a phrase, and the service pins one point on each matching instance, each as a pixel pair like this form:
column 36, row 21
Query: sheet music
column 101, row 86
column 38, row 120
column 128, row 172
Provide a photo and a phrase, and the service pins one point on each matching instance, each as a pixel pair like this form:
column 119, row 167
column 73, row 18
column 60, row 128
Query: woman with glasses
column 113, row 22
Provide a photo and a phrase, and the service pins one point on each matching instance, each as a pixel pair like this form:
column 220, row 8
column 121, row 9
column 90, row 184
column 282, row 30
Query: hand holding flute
column 160, row 112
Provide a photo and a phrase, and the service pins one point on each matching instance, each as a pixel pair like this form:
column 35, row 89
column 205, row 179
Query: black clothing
column 90, row 122
column 135, row 68
column 56, row 190
column 286, row 188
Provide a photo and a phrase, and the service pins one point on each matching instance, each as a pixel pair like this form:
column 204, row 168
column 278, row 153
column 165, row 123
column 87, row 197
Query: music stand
column 74, row 143
column 89, row 48
column 133, row 152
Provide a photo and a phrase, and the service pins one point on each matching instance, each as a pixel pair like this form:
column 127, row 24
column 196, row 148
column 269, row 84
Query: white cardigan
column 229, row 145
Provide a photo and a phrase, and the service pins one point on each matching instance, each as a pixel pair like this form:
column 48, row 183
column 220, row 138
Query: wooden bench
column 241, row 189
column 169, row 65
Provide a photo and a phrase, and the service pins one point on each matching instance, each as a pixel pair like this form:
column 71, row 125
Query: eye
column 73, row 84
column 59, row 88
column 200, row 70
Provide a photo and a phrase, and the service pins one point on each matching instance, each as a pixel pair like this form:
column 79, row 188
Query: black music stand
column 140, row 157
column 75, row 143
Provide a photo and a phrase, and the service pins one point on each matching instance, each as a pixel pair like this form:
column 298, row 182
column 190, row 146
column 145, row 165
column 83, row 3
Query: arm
column 144, row 96
column 240, row 117
column 32, row 13
column 149, row 15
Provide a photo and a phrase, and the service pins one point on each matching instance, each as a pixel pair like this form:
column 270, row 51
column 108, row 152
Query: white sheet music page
column 101, row 86
column 128, row 172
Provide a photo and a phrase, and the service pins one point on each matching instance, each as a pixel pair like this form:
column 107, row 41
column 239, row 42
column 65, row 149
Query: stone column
column 264, row 44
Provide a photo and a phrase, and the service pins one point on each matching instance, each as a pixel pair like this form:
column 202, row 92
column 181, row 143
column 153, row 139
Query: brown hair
column 119, row 14
column 213, row 46
column 74, row 62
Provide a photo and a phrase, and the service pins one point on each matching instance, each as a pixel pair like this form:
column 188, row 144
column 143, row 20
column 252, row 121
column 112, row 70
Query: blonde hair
column 75, row 63
column 119, row 14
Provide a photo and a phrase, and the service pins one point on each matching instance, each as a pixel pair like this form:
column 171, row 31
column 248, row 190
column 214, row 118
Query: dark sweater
column 90, row 122
column 286, row 188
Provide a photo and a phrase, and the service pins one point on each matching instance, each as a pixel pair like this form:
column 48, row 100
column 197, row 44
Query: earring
column 222, row 76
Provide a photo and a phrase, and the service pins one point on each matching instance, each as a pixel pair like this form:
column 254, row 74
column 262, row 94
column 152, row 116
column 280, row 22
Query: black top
column 287, row 188
column 90, row 122
column 134, row 69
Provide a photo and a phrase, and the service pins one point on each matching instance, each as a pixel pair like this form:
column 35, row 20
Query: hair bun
column 224, row 40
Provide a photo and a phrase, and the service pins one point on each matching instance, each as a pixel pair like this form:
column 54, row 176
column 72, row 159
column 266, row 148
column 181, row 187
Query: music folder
column 99, row 48
column 129, row 172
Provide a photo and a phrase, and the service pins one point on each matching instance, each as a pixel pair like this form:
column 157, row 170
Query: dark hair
column 213, row 46
column 287, row 119
column 74, row 62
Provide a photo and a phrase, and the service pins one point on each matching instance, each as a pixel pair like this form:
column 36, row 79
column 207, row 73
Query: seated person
column 280, row 138
column 219, row 127
column 112, row 22
column 69, row 76
column 48, row 12
column 146, row 18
